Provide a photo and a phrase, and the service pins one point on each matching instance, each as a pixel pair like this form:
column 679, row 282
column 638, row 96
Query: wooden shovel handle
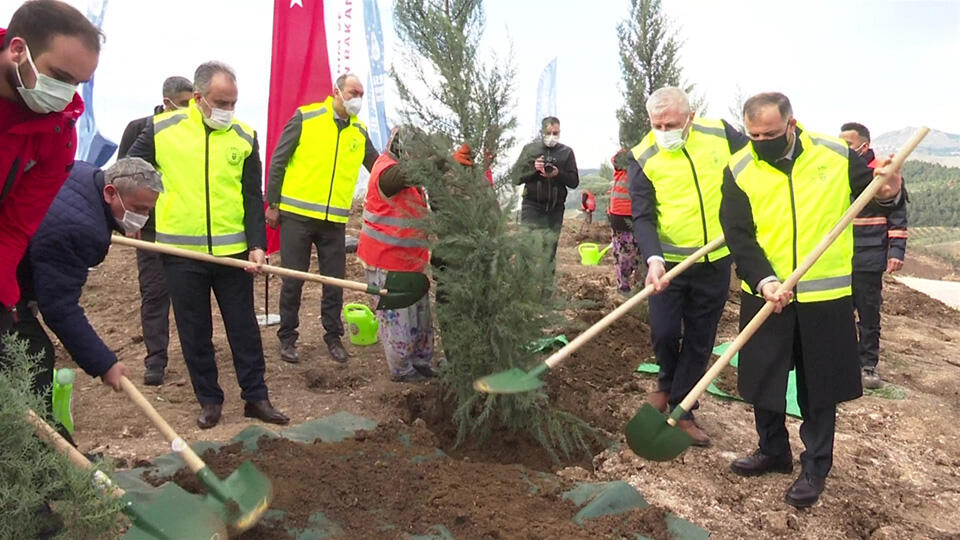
column 47, row 433
column 794, row 278
column 176, row 443
column 623, row 308
column 239, row 263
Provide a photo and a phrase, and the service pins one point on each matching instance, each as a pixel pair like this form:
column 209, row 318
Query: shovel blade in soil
column 511, row 381
column 403, row 289
column 651, row 437
column 241, row 499
column 171, row 514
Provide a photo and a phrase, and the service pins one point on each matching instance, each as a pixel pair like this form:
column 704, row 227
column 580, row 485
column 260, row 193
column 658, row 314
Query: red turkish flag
column 299, row 71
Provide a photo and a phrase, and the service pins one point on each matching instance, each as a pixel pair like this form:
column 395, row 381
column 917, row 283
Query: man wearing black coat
column 154, row 299
column 880, row 243
column 812, row 177
column 74, row 237
column 547, row 169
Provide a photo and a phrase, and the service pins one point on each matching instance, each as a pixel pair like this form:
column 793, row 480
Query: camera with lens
column 549, row 164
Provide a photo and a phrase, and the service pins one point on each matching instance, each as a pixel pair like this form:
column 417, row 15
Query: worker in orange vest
column 394, row 239
column 626, row 253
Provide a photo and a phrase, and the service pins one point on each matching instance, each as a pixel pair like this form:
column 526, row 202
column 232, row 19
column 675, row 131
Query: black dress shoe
column 759, row 463
column 153, row 376
column 209, row 415
column 337, row 352
column 413, row 377
column 805, row 491
column 263, row 410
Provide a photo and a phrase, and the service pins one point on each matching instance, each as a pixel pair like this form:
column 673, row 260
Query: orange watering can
column 590, row 253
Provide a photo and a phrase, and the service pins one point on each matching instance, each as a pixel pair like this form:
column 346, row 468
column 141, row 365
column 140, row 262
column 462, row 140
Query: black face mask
column 771, row 150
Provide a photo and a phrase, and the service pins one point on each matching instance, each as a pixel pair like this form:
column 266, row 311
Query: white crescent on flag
column 296, row 3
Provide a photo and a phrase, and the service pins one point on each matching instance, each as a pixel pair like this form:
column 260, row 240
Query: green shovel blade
column 651, row 437
column 403, row 289
column 241, row 499
column 171, row 514
column 511, row 381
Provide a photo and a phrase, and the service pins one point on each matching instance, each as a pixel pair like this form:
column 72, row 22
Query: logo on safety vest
column 356, row 143
column 234, row 156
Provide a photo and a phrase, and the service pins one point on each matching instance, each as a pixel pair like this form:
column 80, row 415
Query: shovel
column 654, row 436
column 401, row 289
column 172, row 514
column 516, row 380
column 240, row 500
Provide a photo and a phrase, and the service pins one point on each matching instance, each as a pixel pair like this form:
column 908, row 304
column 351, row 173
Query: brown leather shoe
column 209, row 415
column 263, row 410
column 700, row 438
column 659, row 400
column 759, row 463
column 337, row 352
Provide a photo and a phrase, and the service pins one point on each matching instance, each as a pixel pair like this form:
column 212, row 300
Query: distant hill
column 937, row 147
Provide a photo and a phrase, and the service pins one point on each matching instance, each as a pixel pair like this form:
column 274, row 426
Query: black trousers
column 539, row 216
column 28, row 328
column 190, row 283
column 154, row 308
column 816, row 431
column 683, row 325
column 297, row 235
column 867, row 299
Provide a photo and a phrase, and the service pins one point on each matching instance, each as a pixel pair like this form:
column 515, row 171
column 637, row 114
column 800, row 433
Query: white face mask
column 219, row 118
column 551, row 140
column 48, row 95
column 351, row 105
column 670, row 140
column 131, row 222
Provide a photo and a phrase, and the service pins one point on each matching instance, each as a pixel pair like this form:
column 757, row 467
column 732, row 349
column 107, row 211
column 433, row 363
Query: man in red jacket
column 45, row 52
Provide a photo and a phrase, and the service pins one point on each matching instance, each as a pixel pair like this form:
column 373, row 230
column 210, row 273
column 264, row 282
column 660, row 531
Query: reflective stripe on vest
column 201, row 207
column 620, row 194
column 687, row 184
column 322, row 173
column 792, row 214
column 393, row 235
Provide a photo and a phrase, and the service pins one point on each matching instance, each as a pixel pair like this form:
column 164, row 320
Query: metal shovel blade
column 651, row 437
column 171, row 514
column 511, row 381
column 403, row 289
column 241, row 499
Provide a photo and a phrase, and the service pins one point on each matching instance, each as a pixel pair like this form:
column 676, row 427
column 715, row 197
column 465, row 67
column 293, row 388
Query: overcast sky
column 885, row 63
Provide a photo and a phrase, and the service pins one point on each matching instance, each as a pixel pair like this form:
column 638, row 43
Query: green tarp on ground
column 889, row 391
column 593, row 499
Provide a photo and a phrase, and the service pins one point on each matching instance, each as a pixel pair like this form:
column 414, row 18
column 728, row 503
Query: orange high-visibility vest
column 393, row 236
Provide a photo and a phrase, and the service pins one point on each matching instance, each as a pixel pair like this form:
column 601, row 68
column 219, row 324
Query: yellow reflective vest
column 687, row 185
column 201, row 207
column 322, row 173
column 793, row 213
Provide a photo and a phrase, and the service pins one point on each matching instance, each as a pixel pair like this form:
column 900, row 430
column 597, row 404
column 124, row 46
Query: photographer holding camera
column 546, row 169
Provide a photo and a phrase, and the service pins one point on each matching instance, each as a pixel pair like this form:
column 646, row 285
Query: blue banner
column 377, row 125
column 91, row 146
column 546, row 95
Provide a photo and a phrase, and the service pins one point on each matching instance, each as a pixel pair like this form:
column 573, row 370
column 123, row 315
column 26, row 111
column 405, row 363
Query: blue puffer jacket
column 74, row 237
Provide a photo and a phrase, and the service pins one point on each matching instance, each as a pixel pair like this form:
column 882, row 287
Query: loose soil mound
column 391, row 482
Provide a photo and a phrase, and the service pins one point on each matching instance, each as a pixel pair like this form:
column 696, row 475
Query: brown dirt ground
column 896, row 471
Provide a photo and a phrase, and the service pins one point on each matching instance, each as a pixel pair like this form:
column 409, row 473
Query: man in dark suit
column 154, row 300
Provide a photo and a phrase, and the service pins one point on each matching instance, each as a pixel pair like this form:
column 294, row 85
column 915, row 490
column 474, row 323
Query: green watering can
column 590, row 253
column 362, row 324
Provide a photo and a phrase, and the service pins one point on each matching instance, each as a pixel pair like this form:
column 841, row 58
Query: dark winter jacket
column 878, row 236
column 548, row 192
column 36, row 154
column 73, row 238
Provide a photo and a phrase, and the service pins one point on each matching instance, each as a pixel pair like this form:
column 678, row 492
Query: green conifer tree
column 495, row 275
column 649, row 59
column 34, row 473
